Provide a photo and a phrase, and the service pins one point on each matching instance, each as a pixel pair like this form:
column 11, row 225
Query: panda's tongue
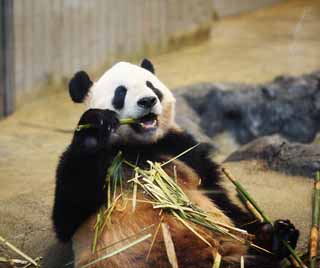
column 147, row 124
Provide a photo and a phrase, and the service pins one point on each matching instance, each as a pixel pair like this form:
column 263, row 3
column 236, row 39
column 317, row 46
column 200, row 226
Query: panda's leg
column 81, row 173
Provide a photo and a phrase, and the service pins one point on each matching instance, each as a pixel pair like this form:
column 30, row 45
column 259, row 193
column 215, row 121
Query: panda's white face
column 134, row 92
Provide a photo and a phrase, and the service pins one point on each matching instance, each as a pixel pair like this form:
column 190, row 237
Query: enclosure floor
column 253, row 47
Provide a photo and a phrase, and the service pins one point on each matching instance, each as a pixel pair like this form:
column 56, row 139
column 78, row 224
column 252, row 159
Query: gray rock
column 289, row 106
column 291, row 158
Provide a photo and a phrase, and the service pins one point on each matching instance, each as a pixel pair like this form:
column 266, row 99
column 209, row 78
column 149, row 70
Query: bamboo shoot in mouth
column 124, row 121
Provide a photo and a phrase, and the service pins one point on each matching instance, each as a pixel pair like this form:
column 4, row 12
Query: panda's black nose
column 147, row 102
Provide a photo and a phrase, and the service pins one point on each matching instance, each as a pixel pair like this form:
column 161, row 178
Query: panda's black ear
column 146, row 64
column 79, row 86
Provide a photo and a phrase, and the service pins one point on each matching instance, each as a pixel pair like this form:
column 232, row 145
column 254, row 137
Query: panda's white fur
column 133, row 78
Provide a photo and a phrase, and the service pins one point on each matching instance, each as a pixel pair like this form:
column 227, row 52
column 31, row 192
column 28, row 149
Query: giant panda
column 133, row 91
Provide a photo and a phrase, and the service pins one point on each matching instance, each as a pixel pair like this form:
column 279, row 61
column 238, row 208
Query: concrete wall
column 232, row 7
column 55, row 38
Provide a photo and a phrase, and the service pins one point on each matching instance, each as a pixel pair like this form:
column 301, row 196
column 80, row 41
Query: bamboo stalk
column 246, row 195
column 124, row 121
column 84, row 126
column 250, row 207
column 266, row 219
column 18, row 251
column 314, row 233
column 292, row 261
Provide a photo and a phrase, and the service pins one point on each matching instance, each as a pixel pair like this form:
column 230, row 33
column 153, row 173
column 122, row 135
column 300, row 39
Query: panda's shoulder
column 182, row 142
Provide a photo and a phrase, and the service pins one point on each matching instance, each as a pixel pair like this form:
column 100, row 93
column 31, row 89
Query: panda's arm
column 81, row 174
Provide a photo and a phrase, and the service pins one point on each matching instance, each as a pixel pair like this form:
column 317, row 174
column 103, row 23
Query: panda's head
column 132, row 92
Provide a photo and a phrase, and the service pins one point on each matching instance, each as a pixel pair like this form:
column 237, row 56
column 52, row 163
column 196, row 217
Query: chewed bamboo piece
column 242, row 262
column 217, row 260
column 13, row 261
column 259, row 213
column 314, row 233
column 124, row 121
column 19, row 252
column 168, row 242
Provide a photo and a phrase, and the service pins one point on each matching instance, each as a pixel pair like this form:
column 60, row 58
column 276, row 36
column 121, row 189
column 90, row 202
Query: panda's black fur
column 83, row 166
column 119, row 97
column 79, row 86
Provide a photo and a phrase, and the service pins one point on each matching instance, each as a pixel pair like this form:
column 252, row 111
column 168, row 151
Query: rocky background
column 288, row 106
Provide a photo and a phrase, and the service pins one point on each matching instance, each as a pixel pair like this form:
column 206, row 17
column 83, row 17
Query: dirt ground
column 250, row 48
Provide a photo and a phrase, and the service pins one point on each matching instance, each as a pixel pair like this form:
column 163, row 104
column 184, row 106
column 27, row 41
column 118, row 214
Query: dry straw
column 29, row 260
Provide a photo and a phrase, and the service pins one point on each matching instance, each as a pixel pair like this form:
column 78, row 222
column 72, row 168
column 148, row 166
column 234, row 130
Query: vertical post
column 7, row 90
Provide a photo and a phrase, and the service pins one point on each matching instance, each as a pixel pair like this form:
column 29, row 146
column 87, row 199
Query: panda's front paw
column 271, row 237
column 284, row 230
column 94, row 129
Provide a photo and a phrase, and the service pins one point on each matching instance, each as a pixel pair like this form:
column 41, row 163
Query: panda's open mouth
column 148, row 122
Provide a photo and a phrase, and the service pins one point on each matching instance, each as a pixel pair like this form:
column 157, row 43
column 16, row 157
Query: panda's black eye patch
column 119, row 96
column 155, row 90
